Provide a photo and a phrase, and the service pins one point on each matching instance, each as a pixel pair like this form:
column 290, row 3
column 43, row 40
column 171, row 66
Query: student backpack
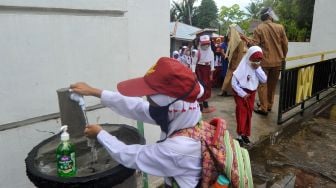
column 220, row 154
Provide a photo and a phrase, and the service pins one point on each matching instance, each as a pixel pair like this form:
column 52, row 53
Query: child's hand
column 255, row 65
column 84, row 89
column 92, row 131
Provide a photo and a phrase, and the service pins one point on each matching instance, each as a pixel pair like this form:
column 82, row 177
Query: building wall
column 47, row 45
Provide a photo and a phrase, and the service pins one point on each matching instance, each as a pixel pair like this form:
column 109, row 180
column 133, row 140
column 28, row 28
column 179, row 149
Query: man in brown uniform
column 272, row 39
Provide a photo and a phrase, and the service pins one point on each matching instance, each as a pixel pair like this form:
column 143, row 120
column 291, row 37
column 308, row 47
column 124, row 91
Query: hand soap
column 65, row 155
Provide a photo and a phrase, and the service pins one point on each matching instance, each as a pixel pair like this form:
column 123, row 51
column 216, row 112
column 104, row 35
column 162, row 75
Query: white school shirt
column 178, row 157
column 236, row 86
column 206, row 57
column 194, row 62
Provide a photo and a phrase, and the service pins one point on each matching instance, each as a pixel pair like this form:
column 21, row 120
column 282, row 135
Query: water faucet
column 78, row 98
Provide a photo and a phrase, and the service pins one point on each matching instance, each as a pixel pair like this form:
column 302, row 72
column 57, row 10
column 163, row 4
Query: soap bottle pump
column 65, row 155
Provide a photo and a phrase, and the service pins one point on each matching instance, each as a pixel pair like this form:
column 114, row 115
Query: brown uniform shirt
column 272, row 39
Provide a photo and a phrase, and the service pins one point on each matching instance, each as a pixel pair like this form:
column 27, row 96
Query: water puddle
column 300, row 158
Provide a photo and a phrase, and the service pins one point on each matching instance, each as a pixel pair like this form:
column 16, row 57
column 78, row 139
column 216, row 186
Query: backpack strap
column 219, row 128
column 191, row 132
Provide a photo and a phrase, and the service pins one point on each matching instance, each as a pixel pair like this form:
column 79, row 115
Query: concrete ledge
column 103, row 5
column 58, row 11
column 33, row 120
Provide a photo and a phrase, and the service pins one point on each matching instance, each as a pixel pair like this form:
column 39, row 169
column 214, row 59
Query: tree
column 229, row 15
column 306, row 11
column 173, row 15
column 297, row 17
column 270, row 3
column 183, row 11
column 206, row 14
column 254, row 9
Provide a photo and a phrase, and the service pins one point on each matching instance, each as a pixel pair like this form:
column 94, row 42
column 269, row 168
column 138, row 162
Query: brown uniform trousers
column 272, row 39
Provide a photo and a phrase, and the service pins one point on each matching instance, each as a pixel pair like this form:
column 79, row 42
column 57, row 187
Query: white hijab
column 206, row 55
column 245, row 70
column 181, row 114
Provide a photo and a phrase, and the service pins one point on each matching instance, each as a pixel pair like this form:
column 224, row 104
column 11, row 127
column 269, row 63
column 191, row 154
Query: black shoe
column 241, row 142
column 258, row 111
column 246, row 140
column 228, row 95
column 221, row 94
column 258, row 106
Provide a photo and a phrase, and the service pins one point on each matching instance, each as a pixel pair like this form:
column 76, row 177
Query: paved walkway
column 262, row 126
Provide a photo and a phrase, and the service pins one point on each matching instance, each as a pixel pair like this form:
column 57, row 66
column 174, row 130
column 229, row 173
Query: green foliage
column 206, row 14
column 270, row 3
column 294, row 33
column 297, row 17
column 254, row 9
column 183, row 11
column 245, row 24
column 233, row 14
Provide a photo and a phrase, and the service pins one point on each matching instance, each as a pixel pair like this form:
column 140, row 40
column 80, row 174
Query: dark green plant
column 296, row 16
column 206, row 14
column 183, row 11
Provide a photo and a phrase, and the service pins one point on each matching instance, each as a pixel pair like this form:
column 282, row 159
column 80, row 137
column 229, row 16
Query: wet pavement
column 262, row 126
column 303, row 156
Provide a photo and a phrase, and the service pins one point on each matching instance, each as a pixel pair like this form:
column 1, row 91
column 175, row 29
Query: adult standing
column 235, row 52
column 204, row 71
column 272, row 39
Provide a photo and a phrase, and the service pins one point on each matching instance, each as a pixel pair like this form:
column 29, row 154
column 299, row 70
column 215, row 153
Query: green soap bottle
column 65, row 155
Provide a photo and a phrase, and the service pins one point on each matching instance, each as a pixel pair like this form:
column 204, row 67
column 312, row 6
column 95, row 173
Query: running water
column 90, row 142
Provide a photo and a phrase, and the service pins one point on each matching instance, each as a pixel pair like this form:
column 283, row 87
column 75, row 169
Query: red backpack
column 220, row 154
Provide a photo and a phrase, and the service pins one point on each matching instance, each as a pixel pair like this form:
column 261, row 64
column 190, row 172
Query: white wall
column 44, row 50
column 61, row 42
